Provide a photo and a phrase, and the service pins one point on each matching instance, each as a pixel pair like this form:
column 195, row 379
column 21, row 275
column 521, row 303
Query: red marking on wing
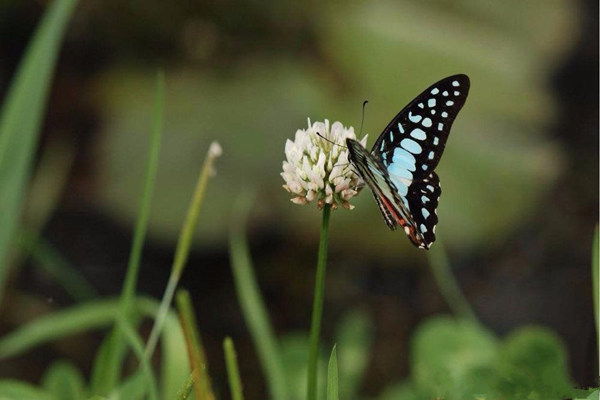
column 412, row 235
column 392, row 211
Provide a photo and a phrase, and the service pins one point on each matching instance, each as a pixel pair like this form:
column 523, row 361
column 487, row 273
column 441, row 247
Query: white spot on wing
column 444, row 114
column 456, row 93
column 400, row 128
column 431, row 103
column 444, row 93
column 436, row 140
column 404, row 158
column 414, row 118
column 455, row 83
column 411, row 146
column 431, row 155
column 419, row 133
column 440, row 126
column 449, row 103
column 423, row 228
column 425, row 213
column 435, row 91
column 427, row 123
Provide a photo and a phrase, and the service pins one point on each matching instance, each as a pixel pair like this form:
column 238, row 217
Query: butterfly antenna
column 362, row 119
column 327, row 140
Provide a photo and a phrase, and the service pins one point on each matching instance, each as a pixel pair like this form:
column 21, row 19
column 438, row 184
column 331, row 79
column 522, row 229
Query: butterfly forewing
column 413, row 142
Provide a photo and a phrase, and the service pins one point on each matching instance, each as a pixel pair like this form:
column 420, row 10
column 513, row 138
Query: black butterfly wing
column 412, row 144
column 422, row 127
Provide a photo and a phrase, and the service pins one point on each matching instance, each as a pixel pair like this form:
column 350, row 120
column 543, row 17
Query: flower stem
column 315, row 329
column 442, row 273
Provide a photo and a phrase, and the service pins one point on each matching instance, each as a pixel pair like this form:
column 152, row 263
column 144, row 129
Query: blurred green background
column 519, row 174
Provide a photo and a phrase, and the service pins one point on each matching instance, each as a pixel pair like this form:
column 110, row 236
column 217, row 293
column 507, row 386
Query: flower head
column 317, row 169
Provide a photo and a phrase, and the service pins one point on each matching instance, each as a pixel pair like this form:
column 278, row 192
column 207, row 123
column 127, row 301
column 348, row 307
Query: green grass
column 20, row 121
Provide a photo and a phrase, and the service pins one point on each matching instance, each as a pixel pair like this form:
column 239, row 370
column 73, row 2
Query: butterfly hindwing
column 423, row 198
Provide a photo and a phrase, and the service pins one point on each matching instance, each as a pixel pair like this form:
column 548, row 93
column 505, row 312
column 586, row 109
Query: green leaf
column 354, row 336
column 109, row 360
column 533, row 365
column 233, row 373
column 49, row 259
column 16, row 390
column 595, row 275
column 64, row 380
column 197, row 357
column 21, row 118
column 454, row 358
column 253, row 306
column 332, row 377
column 44, row 329
column 175, row 367
column 134, row 387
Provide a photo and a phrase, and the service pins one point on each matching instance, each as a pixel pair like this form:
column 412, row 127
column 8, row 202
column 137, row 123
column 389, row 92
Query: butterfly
column 400, row 167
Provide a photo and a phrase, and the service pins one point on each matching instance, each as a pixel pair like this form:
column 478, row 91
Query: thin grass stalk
column 595, row 282
column 233, row 372
column 141, row 226
column 136, row 343
column 197, row 358
column 446, row 282
column 252, row 303
column 317, row 312
column 108, row 367
column 183, row 246
column 186, row 390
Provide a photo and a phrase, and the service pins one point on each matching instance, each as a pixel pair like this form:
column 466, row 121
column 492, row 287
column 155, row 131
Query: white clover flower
column 318, row 169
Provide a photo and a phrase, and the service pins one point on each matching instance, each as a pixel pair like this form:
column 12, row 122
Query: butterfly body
column 400, row 167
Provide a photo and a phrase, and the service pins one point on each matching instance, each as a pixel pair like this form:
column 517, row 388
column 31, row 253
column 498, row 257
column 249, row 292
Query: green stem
column 315, row 330
column 442, row 273
column 141, row 227
column 233, row 373
column 183, row 247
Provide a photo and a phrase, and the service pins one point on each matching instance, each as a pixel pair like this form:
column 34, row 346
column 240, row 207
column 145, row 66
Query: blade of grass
column 133, row 387
column 47, row 328
column 56, row 266
column 12, row 389
column 197, row 359
column 595, row 277
column 48, row 183
column 233, row 373
column 137, row 344
column 64, row 380
column 80, row 318
column 332, row 376
column 141, row 226
column 21, row 118
column 252, row 304
column 109, row 362
column 174, row 365
column 447, row 284
column 186, row 390
column 183, row 245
